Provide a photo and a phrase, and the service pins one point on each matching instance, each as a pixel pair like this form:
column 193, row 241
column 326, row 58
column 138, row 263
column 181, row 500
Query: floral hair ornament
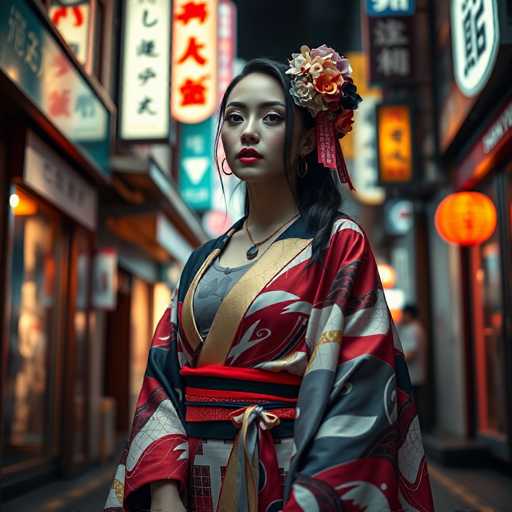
column 322, row 83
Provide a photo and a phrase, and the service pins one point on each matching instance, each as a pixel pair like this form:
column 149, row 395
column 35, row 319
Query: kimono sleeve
column 157, row 448
column 357, row 436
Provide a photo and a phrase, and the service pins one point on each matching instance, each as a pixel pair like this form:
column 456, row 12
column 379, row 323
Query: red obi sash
column 248, row 406
column 217, row 393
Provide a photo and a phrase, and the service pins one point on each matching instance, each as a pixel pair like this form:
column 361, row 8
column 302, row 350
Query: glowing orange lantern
column 466, row 218
column 22, row 205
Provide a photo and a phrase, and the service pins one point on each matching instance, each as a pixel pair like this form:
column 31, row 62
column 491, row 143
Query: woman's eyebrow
column 265, row 104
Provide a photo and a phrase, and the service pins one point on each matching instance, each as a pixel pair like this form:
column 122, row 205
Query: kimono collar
column 297, row 229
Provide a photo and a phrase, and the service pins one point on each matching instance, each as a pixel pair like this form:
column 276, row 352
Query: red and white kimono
column 298, row 400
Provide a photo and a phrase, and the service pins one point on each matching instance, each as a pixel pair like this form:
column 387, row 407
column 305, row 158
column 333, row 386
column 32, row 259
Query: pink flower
column 340, row 62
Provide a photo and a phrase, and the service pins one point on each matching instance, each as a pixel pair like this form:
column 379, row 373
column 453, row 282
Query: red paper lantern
column 466, row 218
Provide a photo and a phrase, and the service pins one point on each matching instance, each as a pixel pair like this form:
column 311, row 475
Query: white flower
column 302, row 90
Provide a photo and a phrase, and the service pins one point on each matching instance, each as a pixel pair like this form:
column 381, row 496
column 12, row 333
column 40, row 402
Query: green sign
column 196, row 162
column 34, row 60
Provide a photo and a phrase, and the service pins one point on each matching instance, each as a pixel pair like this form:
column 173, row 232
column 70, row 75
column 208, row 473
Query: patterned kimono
column 298, row 399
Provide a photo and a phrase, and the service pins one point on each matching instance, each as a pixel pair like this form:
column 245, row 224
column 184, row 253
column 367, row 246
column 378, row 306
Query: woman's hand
column 165, row 497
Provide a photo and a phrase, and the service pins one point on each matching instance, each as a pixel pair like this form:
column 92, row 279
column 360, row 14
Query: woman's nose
column 250, row 135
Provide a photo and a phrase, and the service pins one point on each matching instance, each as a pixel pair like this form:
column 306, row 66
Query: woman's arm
column 158, row 445
column 357, row 434
column 165, row 497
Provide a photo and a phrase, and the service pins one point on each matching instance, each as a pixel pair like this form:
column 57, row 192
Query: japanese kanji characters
column 194, row 60
column 193, row 92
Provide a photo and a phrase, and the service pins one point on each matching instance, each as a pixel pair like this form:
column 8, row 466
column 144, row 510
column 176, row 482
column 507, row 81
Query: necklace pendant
column 252, row 252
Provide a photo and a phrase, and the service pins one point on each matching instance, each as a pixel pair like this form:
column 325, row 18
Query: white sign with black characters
column 475, row 43
column 145, row 87
column 49, row 175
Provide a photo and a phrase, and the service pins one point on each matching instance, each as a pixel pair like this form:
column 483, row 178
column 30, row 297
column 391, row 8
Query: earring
column 303, row 168
column 223, row 170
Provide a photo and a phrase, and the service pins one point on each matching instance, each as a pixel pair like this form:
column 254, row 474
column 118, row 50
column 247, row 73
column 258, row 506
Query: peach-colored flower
column 329, row 82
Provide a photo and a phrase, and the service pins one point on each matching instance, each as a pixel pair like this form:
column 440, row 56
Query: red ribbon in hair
column 329, row 150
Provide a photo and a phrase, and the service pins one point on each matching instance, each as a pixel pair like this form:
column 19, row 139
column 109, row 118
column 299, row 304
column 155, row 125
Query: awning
column 144, row 176
column 153, row 233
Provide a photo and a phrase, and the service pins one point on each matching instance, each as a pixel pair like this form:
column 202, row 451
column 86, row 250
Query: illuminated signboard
column 144, row 109
column 395, row 151
column 475, row 43
column 391, row 49
column 74, row 20
column 196, row 163
column 194, row 60
column 390, row 7
column 33, row 59
column 227, row 44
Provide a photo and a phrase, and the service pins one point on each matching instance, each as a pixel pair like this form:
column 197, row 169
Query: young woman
column 275, row 379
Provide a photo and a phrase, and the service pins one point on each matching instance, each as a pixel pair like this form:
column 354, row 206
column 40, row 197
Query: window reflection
column 81, row 339
column 32, row 308
column 488, row 328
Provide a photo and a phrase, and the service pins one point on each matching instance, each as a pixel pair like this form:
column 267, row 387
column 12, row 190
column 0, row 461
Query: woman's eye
column 234, row 118
column 273, row 118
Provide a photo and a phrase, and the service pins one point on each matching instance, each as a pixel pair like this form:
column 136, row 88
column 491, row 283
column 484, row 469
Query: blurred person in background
column 275, row 380
column 412, row 337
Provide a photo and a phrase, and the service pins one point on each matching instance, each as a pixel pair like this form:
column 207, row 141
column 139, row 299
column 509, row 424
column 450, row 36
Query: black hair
column 411, row 309
column 317, row 197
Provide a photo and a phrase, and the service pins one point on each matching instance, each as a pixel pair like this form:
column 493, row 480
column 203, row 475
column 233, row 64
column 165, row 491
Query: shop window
column 141, row 323
column 81, row 266
column 28, row 397
column 489, row 333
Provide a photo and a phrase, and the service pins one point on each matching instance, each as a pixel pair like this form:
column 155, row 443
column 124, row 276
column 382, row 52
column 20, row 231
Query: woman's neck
column 269, row 206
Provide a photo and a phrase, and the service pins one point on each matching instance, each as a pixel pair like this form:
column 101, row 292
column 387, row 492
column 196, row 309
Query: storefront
column 152, row 232
column 471, row 286
column 54, row 150
column 487, row 270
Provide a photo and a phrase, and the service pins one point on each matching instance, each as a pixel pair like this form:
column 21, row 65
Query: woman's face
column 254, row 127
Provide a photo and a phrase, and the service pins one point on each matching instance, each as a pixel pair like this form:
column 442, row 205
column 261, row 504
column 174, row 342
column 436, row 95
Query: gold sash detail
column 232, row 309
column 241, row 482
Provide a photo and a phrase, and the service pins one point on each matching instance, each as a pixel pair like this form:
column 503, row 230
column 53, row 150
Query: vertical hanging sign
column 390, row 41
column 227, row 44
column 196, row 161
column 395, row 147
column 475, row 43
column 390, row 7
column 144, row 106
column 74, row 19
column 194, row 60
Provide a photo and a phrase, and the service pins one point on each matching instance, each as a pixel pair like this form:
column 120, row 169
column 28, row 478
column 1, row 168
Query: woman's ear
column 308, row 142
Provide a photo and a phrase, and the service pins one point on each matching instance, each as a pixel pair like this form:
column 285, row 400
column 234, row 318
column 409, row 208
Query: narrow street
column 455, row 490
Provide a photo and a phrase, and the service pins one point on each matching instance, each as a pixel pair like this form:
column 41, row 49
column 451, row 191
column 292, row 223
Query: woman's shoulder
column 344, row 224
column 348, row 239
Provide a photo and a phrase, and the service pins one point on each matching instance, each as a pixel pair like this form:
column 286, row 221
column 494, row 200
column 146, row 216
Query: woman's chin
column 255, row 174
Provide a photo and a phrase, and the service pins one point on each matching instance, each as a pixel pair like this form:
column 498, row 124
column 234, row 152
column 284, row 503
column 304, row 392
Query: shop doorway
column 31, row 334
column 491, row 358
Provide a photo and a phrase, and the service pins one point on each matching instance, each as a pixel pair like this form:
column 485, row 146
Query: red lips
column 248, row 156
column 248, row 153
